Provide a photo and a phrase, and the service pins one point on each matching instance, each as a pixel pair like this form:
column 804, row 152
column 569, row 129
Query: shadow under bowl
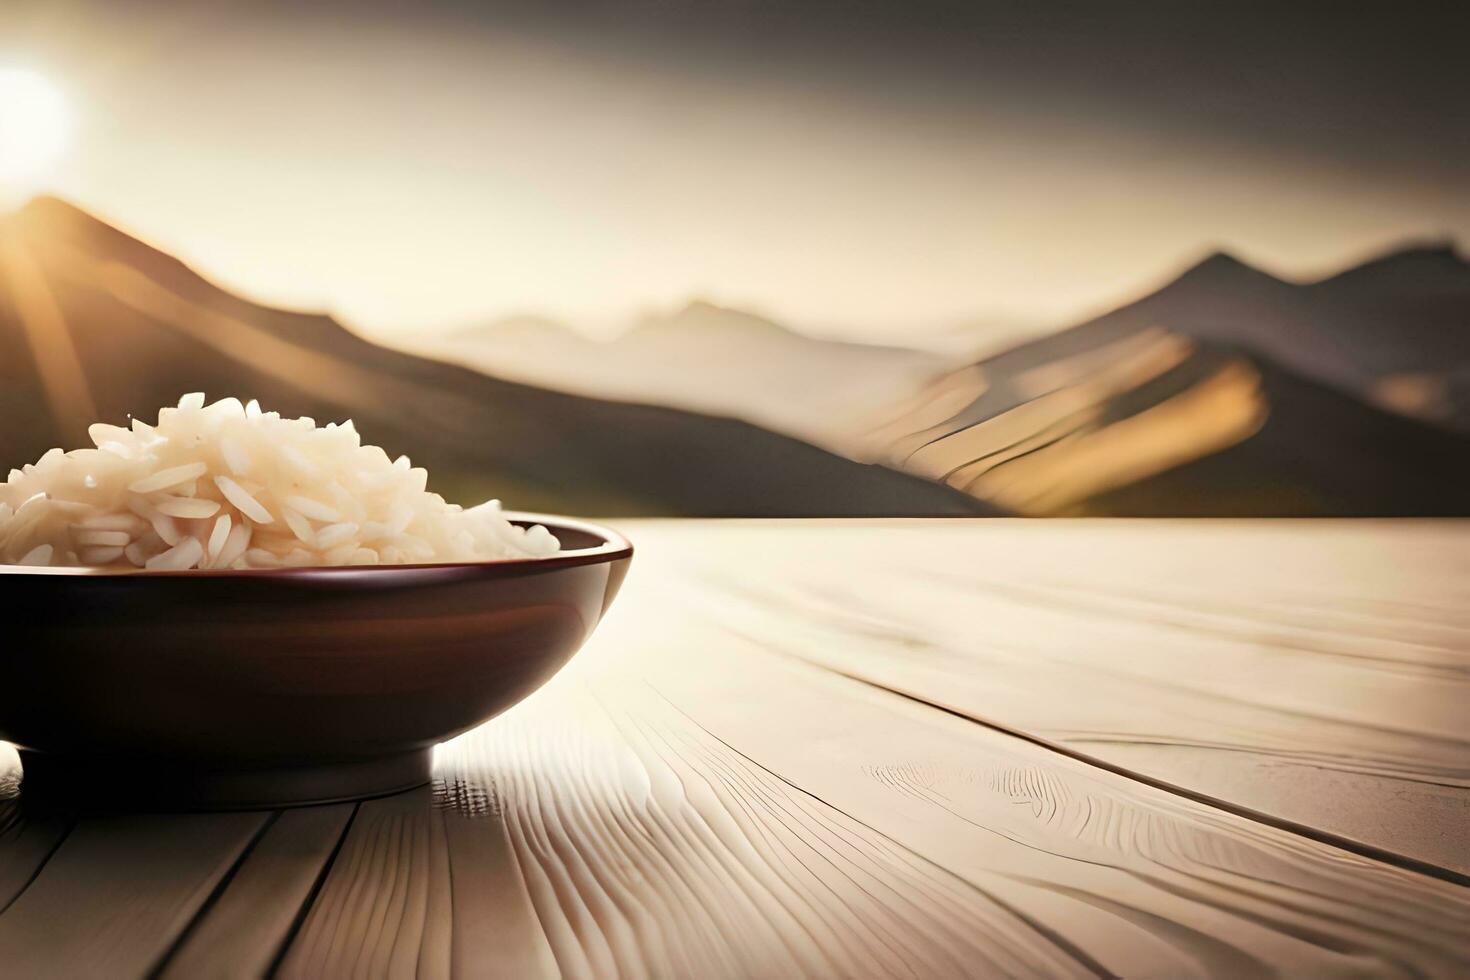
column 253, row 688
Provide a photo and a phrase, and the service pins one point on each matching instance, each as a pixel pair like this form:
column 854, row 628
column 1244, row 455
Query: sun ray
column 68, row 395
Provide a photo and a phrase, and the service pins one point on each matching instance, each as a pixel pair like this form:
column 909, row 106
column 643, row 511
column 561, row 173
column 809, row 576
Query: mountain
column 96, row 325
column 1407, row 318
column 1226, row 393
column 708, row 358
column 1395, row 329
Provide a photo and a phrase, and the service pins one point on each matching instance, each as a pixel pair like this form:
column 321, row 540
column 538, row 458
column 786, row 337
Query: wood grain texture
column 117, row 893
column 587, row 840
column 425, row 885
column 652, row 849
column 1137, row 880
column 1285, row 666
column 384, row 909
column 252, row 918
column 27, row 842
column 27, row 838
column 690, row 800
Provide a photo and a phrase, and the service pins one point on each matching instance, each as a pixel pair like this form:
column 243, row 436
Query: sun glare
column 34, row 126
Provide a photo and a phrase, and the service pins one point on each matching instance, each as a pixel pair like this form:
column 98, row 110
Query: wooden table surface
column 879, row 748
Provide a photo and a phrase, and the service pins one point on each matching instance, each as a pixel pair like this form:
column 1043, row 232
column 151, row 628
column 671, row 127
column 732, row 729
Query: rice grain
column 227, row 485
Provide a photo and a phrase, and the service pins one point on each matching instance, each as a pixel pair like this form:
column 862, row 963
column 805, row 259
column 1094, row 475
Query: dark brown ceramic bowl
column 210, row 689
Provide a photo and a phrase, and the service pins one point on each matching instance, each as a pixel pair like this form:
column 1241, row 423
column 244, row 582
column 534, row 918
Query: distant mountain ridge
column 96, row 325
column 1228, row 392
column 700, row 315
column 708, row 358
column 1406, row 312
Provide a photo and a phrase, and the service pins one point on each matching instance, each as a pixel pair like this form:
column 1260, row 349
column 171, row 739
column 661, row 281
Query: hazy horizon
column 964, row 335
column 848, row 171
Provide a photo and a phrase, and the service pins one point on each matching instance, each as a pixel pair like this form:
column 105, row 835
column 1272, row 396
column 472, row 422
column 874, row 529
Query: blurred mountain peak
column 1223, row 269
column 1418, row 265
column 700, row 314
column 143, row 328
column 1439, row 250
column 1228, row 391
column 47, row 220
column 50, row 208
column 42, row 203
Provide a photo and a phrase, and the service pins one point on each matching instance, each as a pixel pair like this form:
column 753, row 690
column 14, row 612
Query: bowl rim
column 614, row 547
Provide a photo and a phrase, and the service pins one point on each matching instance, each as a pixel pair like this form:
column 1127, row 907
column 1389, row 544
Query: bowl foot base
column 132, row 782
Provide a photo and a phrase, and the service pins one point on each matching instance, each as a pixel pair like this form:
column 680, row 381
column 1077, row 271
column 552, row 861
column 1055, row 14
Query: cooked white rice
column 229, row 486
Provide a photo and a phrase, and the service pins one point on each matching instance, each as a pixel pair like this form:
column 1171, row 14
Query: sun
column 35, row 124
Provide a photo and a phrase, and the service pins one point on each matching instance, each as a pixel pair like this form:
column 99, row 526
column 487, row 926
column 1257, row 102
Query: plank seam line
column 1327, row 837
column 1012, row 593
column 213, row 897
column 71, row 825
column 1056, row 938
column 311, row 896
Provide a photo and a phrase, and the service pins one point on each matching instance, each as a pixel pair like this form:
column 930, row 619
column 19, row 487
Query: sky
column 873, row 171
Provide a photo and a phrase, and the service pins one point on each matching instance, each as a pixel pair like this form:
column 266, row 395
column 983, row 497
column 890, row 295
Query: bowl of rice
column 228, row 608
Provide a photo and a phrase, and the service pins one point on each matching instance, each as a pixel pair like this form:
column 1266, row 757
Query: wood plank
column 496, row 932
column 681, row 802
column 114, row 897
column 27, row 841
column 27, row 838
column 623, row 845
column 1286, row 666
column 1137, row 880
column 241, row 932
column 424, row 885
column 384, row 908
column 652, row 850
